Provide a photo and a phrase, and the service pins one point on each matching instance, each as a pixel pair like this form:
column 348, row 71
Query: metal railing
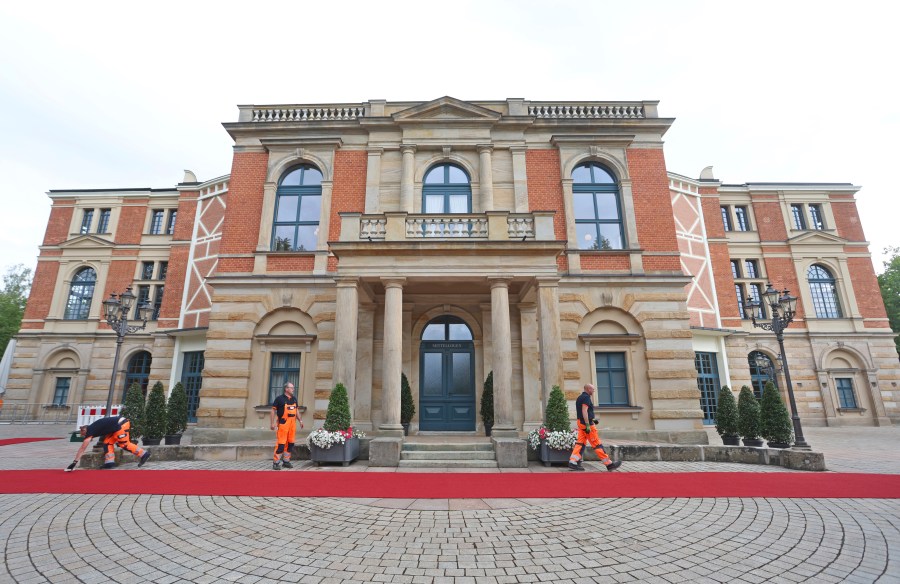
column 19, row 413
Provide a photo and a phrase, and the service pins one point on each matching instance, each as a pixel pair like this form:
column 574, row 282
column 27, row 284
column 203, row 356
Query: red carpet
column 9, row 441
column 459, row 486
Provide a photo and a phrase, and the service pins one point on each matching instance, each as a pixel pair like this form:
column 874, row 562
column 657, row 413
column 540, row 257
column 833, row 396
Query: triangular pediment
column 446, row 109
column 817, row 238
column 86, row 241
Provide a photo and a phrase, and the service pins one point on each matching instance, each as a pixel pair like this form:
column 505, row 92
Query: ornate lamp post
column 116, row 311
column 783, row 307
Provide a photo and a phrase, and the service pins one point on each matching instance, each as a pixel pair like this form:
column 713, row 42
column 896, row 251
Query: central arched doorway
column 447, row 374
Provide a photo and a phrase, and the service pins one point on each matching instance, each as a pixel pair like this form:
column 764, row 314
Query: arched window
column 824, row 292
column 138, row 371
column 446, row 189
column 81, row 292
column 447, row 328
column 597, row 209
column 298, row 203
column 761, row 370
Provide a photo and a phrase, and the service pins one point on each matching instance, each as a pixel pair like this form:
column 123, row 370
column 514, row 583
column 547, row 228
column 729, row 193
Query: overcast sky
column 131, row 94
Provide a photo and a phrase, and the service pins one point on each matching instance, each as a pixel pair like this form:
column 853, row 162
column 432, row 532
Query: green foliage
column 775, row 422
column 557, row 418
column 726, row 413
column 13, row 296
column 338, row 415
column 407, row 407
column 748, row 414
column 155, row 412
column 889, row 283
column 133, row 409
column 177, row 410
column 487, row 401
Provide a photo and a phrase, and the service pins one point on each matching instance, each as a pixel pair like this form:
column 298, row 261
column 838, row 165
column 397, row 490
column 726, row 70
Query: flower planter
column 173, row 438
column 151, row 441
column 550, row 455
column 344, row 453
column 779, row 444
column 731, row 440
column 755, row 442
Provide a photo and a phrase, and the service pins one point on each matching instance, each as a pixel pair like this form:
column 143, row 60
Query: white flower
column 555, row 440
column 325, row 439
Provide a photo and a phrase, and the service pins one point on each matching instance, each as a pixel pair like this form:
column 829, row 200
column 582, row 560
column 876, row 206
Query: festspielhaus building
column 546, row 242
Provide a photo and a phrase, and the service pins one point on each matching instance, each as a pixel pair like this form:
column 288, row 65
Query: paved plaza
column 164, row 538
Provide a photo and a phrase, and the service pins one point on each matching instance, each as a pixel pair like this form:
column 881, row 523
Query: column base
column 390, row 431
column 505, row 432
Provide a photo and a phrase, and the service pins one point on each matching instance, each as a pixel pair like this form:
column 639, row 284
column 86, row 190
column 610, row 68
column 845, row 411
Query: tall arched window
column 81, row 292
column 446, row 189
column 298, row 203
column 597, row 209
column 761, row 370
column 824, row 292
column 138, row 371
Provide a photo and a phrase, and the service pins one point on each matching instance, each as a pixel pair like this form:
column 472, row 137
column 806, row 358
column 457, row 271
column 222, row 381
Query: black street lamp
column 783, row 308
column 116, row 311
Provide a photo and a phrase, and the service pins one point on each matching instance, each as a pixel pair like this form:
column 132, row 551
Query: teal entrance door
column 447, row 376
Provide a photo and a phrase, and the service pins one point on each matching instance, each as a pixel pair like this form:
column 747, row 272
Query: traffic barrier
column 88, row 414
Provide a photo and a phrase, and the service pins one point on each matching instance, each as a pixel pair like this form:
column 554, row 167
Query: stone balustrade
column 493, row 225
column 308, row 114
column 588, row 111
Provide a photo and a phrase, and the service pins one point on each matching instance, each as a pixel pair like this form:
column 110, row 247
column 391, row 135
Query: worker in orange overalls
column 112, row 432
column 587, row 432
column 284, row 410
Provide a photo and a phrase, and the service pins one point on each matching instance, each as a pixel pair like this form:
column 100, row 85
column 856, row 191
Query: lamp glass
column 127, row 299
column 771, row 294
column 145, row 311
column 111, row 306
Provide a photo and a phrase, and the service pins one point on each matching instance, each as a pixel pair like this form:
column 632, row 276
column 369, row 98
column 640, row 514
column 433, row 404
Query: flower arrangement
column 557, row 430
column 325, row 439
column 560, row 440
column 337, row 428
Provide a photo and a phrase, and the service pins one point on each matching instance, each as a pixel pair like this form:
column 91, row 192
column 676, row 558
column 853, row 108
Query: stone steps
column 450, row 455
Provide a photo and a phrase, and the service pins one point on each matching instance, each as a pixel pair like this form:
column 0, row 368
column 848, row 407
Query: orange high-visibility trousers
column 590, row 436
column 285, row 434
column 122, row 439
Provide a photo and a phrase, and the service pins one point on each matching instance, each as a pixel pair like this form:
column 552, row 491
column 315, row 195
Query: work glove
column 71, row 467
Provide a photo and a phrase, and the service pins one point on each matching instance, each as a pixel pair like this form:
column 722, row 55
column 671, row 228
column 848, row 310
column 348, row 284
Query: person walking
column 112, row 432
column 587, row 432
column 284, row 410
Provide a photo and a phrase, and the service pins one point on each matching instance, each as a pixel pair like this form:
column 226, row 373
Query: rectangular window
column 146, row 270
column 755, row 291
column 285, row 368
column 103, row 223
column 845, row 392
column 157, row 301
column 61, row 392
column 751, row 267
column 739, row 291
column 143, row 295
column 708, row 383
column 86, row 220
column 742, row 220
column 170, row 224
column 192, row 379
column 163, row 270
column 156, row 222
column 612, row 379
column 735, row 268
column 799, row 219
column 726, row 218
column 815, row 215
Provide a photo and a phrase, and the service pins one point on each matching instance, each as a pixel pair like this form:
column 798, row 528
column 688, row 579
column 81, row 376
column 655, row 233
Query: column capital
column 484, row 148
column 375, row 150
column 392, row 282
column 547, row 281
column 500, row 280
column 518, row 149
column 346, row 281
column 410, row 148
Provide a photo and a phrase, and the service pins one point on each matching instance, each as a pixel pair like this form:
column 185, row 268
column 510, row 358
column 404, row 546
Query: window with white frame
column 823, row 289
column 298, row 204
column 81, row 293
column 597, row 208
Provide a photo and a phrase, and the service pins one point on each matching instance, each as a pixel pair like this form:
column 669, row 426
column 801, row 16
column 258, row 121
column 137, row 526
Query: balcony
column 489, row 226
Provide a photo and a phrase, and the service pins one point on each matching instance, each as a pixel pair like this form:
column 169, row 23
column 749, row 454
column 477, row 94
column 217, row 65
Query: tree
column 748, row 414
column 487, row 401
column 176, row 410
column 557, row 418
column 155, row 413
column 133, row 409
column 338, row 415
column 726, row 413
column 889, row 282
column 407, row 407
column 775, row 422
column 13, row 297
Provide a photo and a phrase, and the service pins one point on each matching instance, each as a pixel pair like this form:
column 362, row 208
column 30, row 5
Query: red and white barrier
column 90, row 414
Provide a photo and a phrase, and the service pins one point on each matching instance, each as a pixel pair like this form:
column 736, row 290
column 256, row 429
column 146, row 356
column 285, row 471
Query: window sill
column 56, row 407
column 852, row 410
column 620, row 409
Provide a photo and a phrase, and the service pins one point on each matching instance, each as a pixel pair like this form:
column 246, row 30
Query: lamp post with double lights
column 783, row 308
column 116, row 310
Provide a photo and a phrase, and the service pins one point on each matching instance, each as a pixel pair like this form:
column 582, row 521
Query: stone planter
column 150, row 441
column 343, row 453
column 731, row 440
column 551, row 455
column 779, row 445
column 755, row 442
column 173, row 439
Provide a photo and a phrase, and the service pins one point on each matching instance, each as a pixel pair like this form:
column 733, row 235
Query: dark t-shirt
column 583, row 399
column 103, row 427
column 280, row 402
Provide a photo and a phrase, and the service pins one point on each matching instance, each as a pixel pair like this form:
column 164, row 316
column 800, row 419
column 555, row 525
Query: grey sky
column 122, row 95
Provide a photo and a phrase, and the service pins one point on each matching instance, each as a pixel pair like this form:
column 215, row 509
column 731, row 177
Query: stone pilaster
column 486, row 177
column 393, row 355
column 346, row 323
column 548, row 321
column 502, row 358
column 407, row 178
column 531, row 369
column 373, row 180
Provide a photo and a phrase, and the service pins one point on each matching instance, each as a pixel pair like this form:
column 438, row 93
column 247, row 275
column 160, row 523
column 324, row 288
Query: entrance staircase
column 448, row 454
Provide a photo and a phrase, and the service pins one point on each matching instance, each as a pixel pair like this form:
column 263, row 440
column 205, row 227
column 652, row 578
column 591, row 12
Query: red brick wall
column 187, row 208
column 120, row 276
column 131, row 221
column 240, row 230
column 606, row 262
column 653, row 207
column 720, row 260
column 545, row 192
column 291, row 263
column 781, row 273
column 769, row 219
column 712, row 215
column 38, row 306
column 59, row 222
column 867, row 292
column 175, row 277
column 348, row 193
column 846, row 218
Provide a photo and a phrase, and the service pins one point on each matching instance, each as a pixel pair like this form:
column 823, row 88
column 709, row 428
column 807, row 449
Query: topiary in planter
column 133, row 410
column 338, row 416
column 487, row 403
column 748, row 417
column 155, row 413
column 407, row 407
column 775, row 422
column 727, row 417
column 557, row 418
column 176, row 410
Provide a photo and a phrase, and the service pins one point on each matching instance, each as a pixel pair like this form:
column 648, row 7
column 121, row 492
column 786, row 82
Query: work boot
column 573, row 466
column 287, row 464
column 614, row 465
column 144, row 458
column 276, row 466
column 109, row 465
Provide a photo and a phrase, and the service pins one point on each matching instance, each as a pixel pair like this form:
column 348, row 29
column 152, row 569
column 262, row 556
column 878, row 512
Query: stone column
column 486, row 177
column 345, row 327
column 407, row 178
column 393, row 355
column 549, row 328
column 502, row 358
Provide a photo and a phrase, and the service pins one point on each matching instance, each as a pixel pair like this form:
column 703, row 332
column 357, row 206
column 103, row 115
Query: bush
column 487, row 401
column 775, row 422
column 407, row 407
column 177, row 410
column 748, row 414
column 726, row 413
column 338, row 416
column 133, row 410
column 556, row 418
column 155, row 413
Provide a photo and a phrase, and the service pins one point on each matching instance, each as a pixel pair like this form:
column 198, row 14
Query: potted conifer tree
column 176, row 414
column 407, row 407
column 748, row 418
column 133, row 410
column 337, row 440
column 555, row 438
column 487, row 404
column 727, row 418
column 775, row 422
column 155, row 415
